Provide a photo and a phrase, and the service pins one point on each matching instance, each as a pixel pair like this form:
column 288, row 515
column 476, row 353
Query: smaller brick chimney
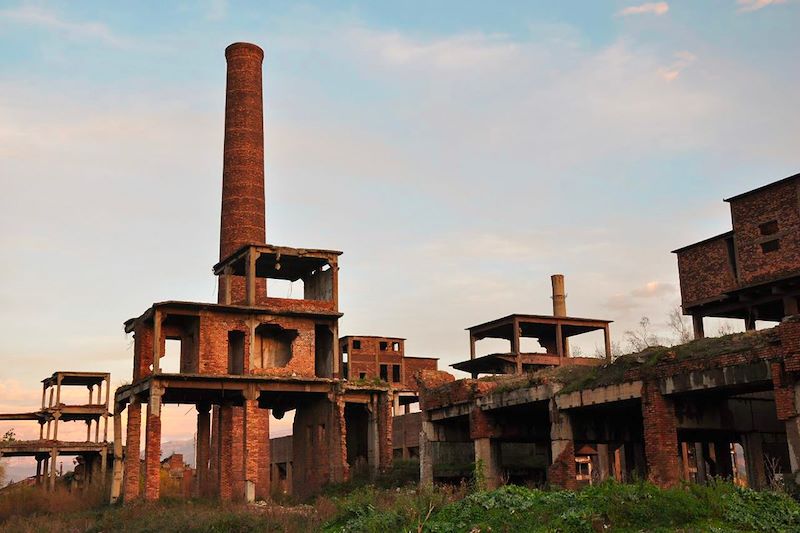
column 559, row 296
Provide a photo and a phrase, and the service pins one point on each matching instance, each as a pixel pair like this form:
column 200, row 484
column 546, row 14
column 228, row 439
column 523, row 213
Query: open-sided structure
column 92, row 453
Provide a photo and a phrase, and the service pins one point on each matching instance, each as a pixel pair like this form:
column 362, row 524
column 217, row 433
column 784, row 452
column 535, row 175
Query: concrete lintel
column 609, row 394
column 715, row 378
column 496, row 400
column 450, row 411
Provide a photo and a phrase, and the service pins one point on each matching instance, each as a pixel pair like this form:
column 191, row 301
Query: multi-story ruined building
column 92, row 454
column 365, row 358
column 726, row 407
column 251, row 352
column 753, row 271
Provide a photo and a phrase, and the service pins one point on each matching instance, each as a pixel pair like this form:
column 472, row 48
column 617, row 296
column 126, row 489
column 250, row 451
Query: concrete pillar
column 561, row 472
column 53, row 460
column 426, row 438
column 487, row 457
column 603, row 461
column 131, row 482
column 793, row 440
column 697, row 324
column 373, row 439
column 790, row 306
column 660, row 437
column 152, row 448
column 117, row 475
column 203, row 448
column 754, row 457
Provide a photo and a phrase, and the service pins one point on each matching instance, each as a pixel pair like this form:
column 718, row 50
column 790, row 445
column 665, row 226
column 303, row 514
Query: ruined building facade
column 251, row 352
column 724, row 407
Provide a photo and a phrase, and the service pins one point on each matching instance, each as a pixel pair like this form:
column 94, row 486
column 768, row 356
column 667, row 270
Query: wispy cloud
column 31, row 15
column 217, row 9
column 650, row 8
column 682, row 60
column 755, row 5
column 464, row 51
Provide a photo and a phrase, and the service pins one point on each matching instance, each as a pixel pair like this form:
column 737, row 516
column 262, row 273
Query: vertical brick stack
column 131, row 483
column 660, row 436
column 243, row 206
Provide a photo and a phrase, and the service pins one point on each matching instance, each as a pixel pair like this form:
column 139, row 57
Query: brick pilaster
column 660, row 436
column 134, row 429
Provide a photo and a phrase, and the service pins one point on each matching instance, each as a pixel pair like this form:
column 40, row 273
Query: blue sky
column 457, row 152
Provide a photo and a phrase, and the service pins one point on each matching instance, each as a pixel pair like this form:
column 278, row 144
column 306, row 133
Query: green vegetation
column 573, row 377
column 610, row 506
column 719, row 507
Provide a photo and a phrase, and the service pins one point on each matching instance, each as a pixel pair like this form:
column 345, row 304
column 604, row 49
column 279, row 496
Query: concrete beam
column 715, row 378
column 612, row 393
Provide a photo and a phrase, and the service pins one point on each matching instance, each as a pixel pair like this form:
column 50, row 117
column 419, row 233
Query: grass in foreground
column 719, row 507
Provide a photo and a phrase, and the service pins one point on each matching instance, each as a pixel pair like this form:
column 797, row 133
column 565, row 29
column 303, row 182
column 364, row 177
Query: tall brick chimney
column 243, row 209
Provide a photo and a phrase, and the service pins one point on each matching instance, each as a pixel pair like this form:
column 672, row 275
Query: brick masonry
column 660, row 436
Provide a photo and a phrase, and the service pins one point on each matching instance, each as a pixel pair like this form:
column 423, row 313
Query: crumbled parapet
column 438, row 388
column 430, row 379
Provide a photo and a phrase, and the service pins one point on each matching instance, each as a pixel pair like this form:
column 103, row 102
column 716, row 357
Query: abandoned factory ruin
column 538, row 411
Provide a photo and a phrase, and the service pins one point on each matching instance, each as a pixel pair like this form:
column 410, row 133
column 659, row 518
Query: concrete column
column 203, row 447
column 426, row 438
column 660, row 437
column 790, row 306
column 754, row 457
column 117, row 475
column 152, row 448
column 487, row 456
column 373, row 439
column 697, row 324
column 793, row 440
column 602, row 461
column 562, row 448
column 53, row 460
column 131, row 482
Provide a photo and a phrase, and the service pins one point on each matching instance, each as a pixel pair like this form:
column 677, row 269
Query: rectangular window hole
column 768, row 228
column 770, row 246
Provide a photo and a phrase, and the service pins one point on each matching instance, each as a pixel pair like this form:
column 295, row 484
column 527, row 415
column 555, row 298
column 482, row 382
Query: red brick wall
column 660, row 437
column 142, row 350
column 414, row 365
column 775, row 203
column 318, row 446
column 561, row 473
column 705, row 271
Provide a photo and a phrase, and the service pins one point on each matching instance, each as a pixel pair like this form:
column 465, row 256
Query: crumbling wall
column 705, row 271
column 318, row 445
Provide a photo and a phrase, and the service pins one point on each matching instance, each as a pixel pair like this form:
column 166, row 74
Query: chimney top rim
column 244, row 48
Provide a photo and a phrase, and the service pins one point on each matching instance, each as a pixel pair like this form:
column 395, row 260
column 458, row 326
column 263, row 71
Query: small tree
column 642, row 337
column 680, row 326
